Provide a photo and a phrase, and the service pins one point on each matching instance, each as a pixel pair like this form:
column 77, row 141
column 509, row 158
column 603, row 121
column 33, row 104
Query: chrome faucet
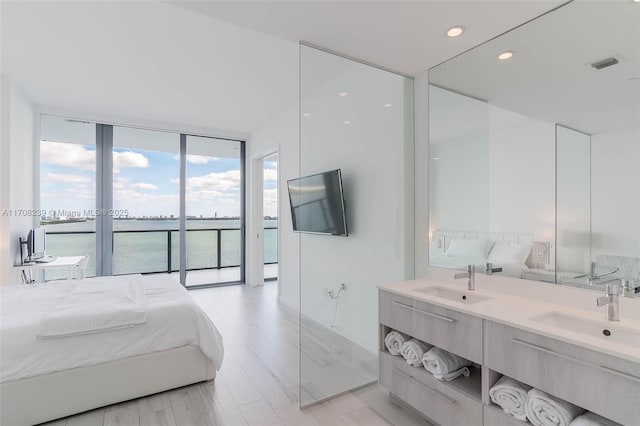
column 629, row 288
column 470, row 274
column 610, row 300
column 489, row 269
column 594, row 276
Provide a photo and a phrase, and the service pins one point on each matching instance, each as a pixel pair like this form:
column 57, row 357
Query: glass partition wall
column 358, row 119
column 118, row 194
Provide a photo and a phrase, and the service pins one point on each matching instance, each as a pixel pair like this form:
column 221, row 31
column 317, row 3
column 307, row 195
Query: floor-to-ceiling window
column 214, row 210
column 131, row 198
column 270, row 211
column 68, row 189
column 146, row 200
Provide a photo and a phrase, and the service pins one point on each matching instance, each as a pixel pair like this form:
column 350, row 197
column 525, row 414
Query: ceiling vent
column 605, row 63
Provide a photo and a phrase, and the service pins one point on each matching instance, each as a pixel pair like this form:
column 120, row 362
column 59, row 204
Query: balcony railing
column 157, row 250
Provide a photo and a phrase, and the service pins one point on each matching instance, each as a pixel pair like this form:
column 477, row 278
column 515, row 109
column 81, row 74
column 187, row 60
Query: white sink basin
column 466, row 297
column 606, row 331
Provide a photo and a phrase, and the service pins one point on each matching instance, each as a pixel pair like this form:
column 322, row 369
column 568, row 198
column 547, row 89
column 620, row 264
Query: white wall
column 459, row 184
column 17, row 172
column 521, row 175
column 282, row 134
column 375, row 154
column 421, row 175
column 615, row 193
column 573, row 182
column 5, row 175
column 496, row 173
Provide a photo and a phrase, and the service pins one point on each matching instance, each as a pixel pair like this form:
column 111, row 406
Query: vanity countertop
column 521, row 312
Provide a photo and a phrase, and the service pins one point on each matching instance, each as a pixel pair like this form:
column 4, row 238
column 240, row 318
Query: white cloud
column 270, row 175
column 65, row 178
column 197, row 159
column 79, row 157
column 216, row 181
column 143, row 185
column 128, row 159
column 270, row 203
column 120, row 182
column 67, row 155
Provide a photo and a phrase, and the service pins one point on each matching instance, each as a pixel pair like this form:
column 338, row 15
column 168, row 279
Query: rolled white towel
column 394, row 341
column 511, row 396
column 445, row 365
column 546, row 410
column 413, row 350
column 591, row 419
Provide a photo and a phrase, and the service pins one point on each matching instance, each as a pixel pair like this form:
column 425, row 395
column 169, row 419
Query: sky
column 146, row 183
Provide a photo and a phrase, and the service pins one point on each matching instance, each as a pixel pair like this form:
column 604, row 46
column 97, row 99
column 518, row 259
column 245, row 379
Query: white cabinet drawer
column 436, row 400
column 597, row 382
column 447, row 329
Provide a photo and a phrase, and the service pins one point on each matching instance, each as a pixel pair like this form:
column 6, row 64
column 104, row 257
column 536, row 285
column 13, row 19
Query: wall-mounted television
column 317, row 204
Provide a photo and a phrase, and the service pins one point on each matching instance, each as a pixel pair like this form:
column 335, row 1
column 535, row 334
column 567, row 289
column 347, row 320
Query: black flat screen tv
column 317, row 204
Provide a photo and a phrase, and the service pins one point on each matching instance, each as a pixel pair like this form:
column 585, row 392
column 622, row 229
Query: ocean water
column 139, row 252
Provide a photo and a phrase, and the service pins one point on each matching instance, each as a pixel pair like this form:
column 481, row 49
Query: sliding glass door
column 143, row 201
column 214, row 210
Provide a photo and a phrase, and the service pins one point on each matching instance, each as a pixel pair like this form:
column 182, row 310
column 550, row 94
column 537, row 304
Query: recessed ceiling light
column 387, row 105
column 455, row 31
column 435, row 158
column 306, row 114
column 505, row 55
column 343, row 94
column 347, row 122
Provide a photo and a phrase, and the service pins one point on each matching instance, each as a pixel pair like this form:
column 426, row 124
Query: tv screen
column 37, row 243
column 317, row 204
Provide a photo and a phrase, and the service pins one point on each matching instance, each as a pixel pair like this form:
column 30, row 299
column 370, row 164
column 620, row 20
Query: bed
column 45, row 378
column 457, row 250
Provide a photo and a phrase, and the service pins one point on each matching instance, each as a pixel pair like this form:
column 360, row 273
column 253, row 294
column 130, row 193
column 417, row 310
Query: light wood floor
column 259, row 380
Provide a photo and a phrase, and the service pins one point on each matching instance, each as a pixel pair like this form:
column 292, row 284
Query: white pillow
column 464, row 247
column 509, row 252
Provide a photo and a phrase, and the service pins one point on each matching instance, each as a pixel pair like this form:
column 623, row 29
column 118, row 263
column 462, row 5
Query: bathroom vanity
column 561, row 348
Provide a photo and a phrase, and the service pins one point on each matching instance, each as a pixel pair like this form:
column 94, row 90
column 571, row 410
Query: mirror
column 534, row 161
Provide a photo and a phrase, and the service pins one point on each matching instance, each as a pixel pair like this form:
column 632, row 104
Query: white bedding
column 510, row 269
column 172, row 320
column 94, row 307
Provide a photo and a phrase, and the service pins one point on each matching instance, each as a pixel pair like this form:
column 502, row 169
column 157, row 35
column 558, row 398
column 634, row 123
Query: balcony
column 213, row 254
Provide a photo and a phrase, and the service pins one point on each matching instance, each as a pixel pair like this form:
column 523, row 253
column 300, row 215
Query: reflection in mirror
column 458, row 177
column 565, row 97
column 482, row 159
column 599, row 208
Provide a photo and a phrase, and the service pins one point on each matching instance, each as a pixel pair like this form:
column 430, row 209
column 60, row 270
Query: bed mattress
column 173, row 320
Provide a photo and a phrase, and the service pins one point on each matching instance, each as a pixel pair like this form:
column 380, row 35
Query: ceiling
column 405, row 36
column 222, row 64
column 550, row 77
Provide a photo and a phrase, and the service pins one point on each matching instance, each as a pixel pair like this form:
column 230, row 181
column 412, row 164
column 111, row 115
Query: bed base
column 52, row 396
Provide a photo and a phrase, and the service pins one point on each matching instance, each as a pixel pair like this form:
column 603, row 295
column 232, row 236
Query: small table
column 75, row 266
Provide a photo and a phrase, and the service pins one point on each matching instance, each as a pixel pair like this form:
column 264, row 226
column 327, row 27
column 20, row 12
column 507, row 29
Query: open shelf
column 497, row 417
column 469, row 386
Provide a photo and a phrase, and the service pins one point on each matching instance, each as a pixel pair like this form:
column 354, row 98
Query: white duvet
column 173, row 320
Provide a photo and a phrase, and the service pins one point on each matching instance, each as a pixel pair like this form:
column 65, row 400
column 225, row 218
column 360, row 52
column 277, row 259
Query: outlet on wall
column 328, row 292
column 540, row 253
